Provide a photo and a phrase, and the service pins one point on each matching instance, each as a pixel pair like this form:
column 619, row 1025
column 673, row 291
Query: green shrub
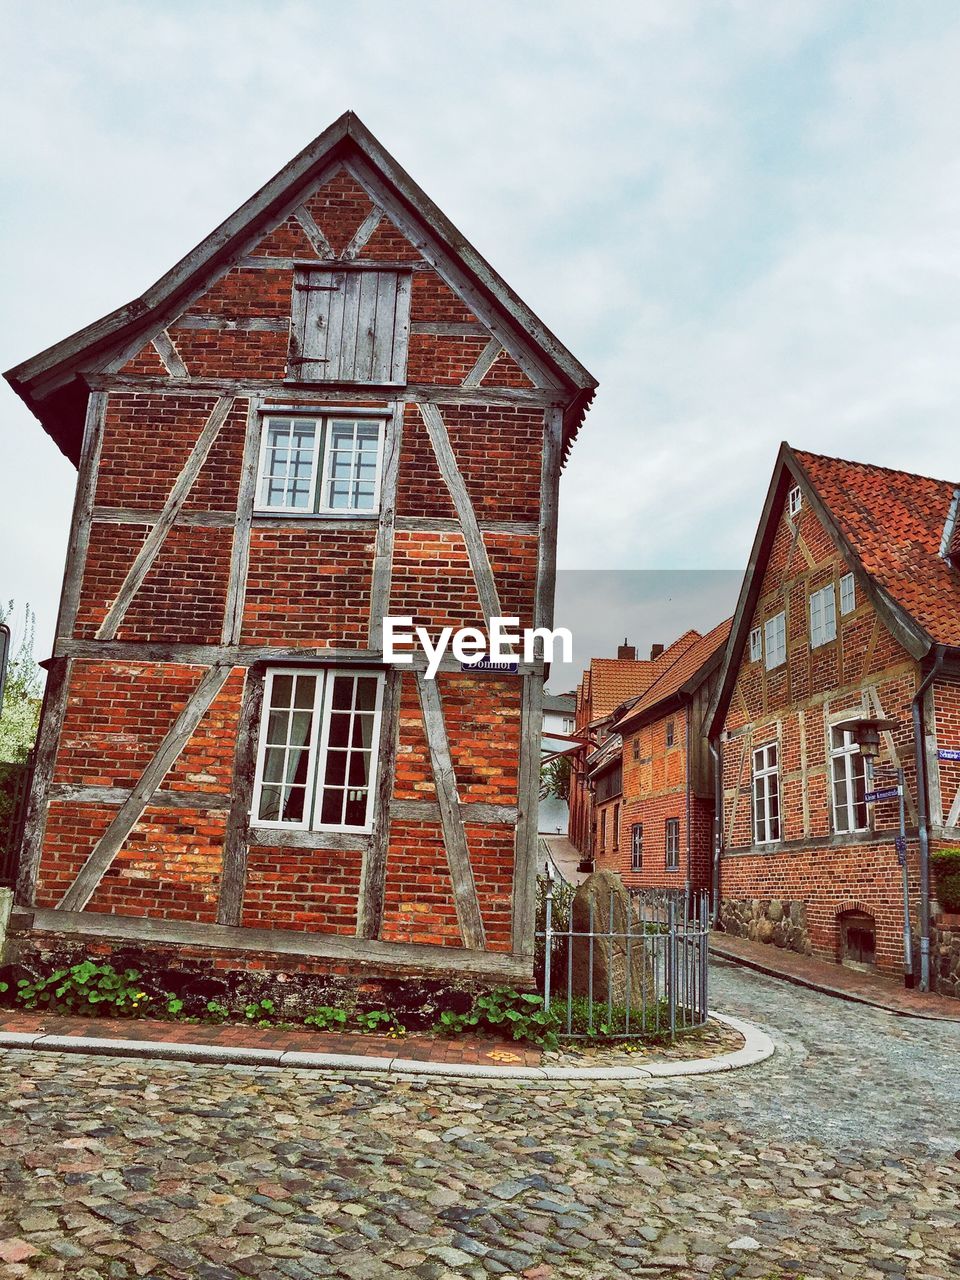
column 505, row 1010
column 380, row 1020
column 327, row 1018
column 86, row 988
column 259, row 1011
column 946, row 865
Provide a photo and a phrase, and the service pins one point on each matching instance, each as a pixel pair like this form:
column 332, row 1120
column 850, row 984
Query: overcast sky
column 743, row 217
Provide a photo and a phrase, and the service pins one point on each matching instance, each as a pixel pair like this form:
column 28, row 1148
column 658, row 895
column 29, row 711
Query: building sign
column 948, row 753
column 486, row 664
column 885, row 793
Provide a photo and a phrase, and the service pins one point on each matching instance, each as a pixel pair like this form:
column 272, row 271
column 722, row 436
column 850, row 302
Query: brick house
column 330, row 411
column 849, row 614
column 663, row 821
column 605, row 684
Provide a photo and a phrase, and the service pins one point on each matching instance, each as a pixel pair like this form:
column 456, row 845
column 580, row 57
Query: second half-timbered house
column 332, row 411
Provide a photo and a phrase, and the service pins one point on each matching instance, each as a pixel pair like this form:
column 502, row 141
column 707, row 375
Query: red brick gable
column 894, row 522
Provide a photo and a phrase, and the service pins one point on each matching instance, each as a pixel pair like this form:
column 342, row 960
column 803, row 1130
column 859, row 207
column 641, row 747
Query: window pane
column 288, row 463
column 281, row 691
column 339, row 729
column 269, row 810
column 293, row 805
column 331, row 811
column 342, row 692
column 336, row 770
column 356, row 809
column 366, row 693
column 359, row 769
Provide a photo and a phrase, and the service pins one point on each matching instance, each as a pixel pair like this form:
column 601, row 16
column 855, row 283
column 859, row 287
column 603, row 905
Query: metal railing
column 634, row 965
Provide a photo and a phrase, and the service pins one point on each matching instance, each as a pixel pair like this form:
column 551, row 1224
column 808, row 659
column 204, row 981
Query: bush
column 946, row 866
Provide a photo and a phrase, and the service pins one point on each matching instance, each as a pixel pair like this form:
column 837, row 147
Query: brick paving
column 422, row 1048
column 835, row 979
column 834, row 1160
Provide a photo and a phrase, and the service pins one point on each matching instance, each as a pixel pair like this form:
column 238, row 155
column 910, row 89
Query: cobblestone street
column 837, row 1157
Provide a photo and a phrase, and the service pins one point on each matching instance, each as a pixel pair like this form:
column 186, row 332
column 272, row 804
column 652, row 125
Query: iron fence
column 631, row 964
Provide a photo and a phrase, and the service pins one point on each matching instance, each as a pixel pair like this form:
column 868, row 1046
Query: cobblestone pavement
column 837, row 1157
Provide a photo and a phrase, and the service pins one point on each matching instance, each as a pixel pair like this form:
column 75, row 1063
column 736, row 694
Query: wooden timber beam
column 526, row 842
column 373, row 870
column 44, row 757
column 382, row 574
column 240, row 551
column 451, row 820
column 157, row 535
column 112, row 840
column 476, row 548
column 233, row 877
column 334, row 946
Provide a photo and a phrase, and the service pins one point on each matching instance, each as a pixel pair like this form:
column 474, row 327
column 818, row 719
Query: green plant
column 946, row 865
column 327, row 1018
column 216, row 1012
column 86, row 988
column 380, row 1020
column 259, row 1011
column 503, row 1009
column 172, row 1004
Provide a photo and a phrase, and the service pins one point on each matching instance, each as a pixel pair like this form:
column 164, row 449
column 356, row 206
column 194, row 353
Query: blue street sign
column 901, row 844
column 885, row 793
column 948, row 753
column 484, row 664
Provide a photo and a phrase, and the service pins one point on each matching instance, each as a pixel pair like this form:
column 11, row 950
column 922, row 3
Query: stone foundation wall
column 782, row 923
column 945, row 954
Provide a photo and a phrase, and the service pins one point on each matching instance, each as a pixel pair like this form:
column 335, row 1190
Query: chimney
column 655, row 651
column 627, row 651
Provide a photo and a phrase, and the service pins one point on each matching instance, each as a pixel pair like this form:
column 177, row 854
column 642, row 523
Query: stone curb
column 825, row 988
column 757, row 1047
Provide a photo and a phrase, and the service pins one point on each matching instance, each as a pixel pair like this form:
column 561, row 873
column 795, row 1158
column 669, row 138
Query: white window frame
column 671, row 844
column 765, row 785
column 317, row 748
column 848, row 594
column 795, row 500
column 322, row 461
column 823, row 616
column 844, row 773
column 775, row 653
column 636, row 847
column 756, row 644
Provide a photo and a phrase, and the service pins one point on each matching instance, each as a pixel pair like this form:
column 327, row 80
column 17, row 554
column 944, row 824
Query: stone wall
column 784, row 924
column 945, row 954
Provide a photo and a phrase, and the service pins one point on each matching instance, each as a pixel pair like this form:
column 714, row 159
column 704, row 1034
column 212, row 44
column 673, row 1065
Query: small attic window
column 349, row 325
column 795, row 500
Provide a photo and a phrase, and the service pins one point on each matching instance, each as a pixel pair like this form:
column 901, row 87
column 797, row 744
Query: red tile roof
column 894, row 522
column 690, row 652
column 612, row 680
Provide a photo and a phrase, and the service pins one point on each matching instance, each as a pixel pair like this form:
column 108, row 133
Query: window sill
column 266, row 514
column 298, row 838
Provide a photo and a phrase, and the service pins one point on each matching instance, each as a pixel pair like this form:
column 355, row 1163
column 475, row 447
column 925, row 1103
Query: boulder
column 765, row 931
column 775, row 911
column 608, row 958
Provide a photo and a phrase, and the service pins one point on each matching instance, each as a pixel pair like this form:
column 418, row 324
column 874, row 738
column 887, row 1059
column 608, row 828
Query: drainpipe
column 717, row 826
column 922, row 818
column 687, row 791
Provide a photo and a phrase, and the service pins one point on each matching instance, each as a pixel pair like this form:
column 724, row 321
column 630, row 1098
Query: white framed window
column 766, row 794
column 320, row 464
column 775, row 640
column 616, row 827
column 568, row 724
column 823, row 616
column 848, row 593
column 795, row 499
column 849, row 775
column 317, row 755
column 636, row 847
column 756, row 644
column 671, row 843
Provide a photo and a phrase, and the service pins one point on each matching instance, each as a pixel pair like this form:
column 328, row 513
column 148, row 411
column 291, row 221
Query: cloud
column 740, row 217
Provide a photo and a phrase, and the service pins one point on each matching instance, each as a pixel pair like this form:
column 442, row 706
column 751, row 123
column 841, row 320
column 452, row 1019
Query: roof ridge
column 870, row 466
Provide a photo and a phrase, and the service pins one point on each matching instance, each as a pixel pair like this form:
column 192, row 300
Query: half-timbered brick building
column 331, row 411
column 847, row 629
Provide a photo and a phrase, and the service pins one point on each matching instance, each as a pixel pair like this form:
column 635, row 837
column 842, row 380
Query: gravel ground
column 836, row 1158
